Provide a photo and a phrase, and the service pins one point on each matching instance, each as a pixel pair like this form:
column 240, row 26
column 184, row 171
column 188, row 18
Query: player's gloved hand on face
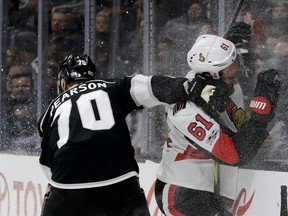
column 220, row 96
column 215, row 94
column 238, row 33
column 266, row 96
column 210, row 94
column 196, row 87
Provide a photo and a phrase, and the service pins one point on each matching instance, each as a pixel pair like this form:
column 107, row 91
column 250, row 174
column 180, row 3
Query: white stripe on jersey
column 141, row 91
column 165, row 199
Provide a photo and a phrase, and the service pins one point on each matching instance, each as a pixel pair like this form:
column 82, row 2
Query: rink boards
column 23, row 185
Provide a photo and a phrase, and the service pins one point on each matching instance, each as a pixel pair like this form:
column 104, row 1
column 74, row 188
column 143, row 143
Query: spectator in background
column 22, row 17
column 103, row 26
column 280, row 11
column 131, row 35
column 184, row 30
column 66, row 33
column 21, row 51
column 20, row 129
column 271, row 38
column 138, row 8
column 124, row 17
column 51, row 85
column 132, row 17
column 26, row 44
column 20, row 86
column 132, row 53
column 165, row 58
column 105, row 68
column 11, row 56
column 28, row 15
column 55, row 3
column 102, row 58
column 275, row 22
column 20, row 98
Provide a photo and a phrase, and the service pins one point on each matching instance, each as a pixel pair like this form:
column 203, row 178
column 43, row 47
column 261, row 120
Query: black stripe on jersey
column 163, row 86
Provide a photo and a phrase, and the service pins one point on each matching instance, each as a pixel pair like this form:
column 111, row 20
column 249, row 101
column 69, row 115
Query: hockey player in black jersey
column 87, row 154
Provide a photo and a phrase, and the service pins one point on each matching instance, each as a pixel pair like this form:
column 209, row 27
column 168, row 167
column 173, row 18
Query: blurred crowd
column 119, row 27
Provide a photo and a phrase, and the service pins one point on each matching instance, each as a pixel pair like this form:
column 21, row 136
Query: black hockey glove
column 214, row 95
column 220, row 98
column 238, row 33
column 196, row 87
column 266, row 95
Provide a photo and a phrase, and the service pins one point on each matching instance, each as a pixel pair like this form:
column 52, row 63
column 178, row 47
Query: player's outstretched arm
column 263, row 105
column 173, row 90
column 253, row 133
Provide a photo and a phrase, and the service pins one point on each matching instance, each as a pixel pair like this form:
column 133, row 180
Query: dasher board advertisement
column 23, row 185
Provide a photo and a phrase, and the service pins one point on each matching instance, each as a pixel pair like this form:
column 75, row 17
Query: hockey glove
column 266, row 95
column 214, row 98
column 196, row 87
column 238, row 33
column 220, row 98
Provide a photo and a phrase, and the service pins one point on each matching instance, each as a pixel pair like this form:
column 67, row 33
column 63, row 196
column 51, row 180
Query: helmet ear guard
column 212, row 54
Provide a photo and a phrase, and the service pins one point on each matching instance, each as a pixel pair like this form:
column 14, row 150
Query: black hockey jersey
column 86, row 142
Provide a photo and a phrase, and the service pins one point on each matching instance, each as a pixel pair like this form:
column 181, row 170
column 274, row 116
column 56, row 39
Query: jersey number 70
column 87, row 114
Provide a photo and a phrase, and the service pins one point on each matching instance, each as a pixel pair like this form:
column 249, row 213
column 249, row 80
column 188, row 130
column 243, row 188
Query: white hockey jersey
column 182, row 163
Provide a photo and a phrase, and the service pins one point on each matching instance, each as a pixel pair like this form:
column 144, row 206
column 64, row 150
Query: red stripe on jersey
column 191, row 153
column 171, row 201
column 229, row 109
column 224, row 149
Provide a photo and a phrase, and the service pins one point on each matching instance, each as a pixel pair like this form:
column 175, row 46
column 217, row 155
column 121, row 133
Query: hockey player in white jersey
column 185, row 178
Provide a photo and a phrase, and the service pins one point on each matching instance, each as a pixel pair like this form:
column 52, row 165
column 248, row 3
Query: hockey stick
column 236, row 11
column 216, row 164
column 217, row 186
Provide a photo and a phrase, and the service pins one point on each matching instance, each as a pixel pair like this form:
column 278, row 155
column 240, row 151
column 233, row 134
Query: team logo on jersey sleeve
column 237, row 114
column 239, row 117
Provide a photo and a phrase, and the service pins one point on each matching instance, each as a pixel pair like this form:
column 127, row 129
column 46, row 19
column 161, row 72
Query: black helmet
column 76, row 67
